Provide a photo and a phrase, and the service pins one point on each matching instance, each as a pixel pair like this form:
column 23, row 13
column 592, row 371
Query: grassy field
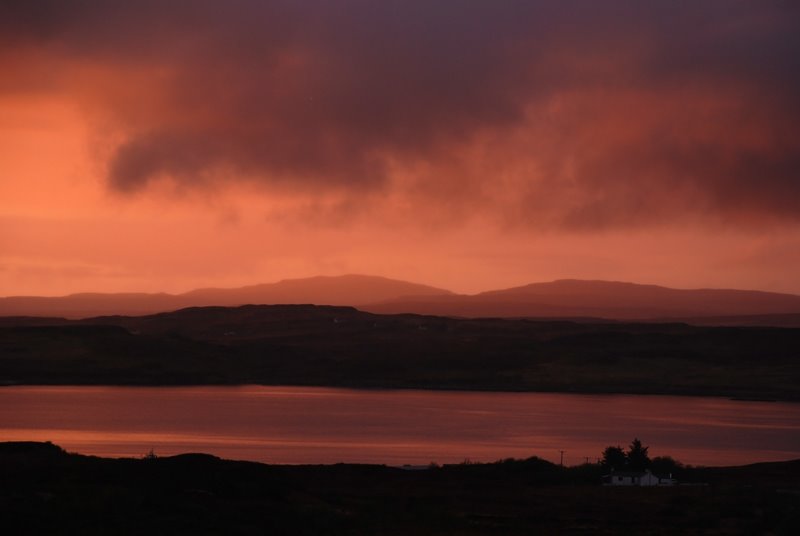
column 44, row 490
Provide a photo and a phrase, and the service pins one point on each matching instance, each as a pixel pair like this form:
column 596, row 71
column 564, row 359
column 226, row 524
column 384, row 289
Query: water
column 325, row 425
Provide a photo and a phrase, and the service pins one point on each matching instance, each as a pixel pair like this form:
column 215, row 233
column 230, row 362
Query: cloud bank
column 573, row 114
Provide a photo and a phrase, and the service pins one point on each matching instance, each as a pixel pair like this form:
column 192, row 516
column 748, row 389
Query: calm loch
column 327, row 425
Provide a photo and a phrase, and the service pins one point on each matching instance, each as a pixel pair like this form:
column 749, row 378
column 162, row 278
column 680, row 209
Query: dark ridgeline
column 561, row 299
column 341, row 346
column 339, row 290
column 44, row 490
column 569, row 298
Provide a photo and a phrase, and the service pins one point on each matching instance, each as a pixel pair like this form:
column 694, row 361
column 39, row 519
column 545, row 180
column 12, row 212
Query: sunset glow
column 147, row 146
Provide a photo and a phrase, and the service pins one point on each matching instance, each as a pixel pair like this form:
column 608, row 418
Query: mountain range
column 567, row 298
column 322, row 290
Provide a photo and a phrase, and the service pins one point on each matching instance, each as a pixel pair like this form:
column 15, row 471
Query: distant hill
column 569, row 298
column 339, row 290
column 562, row 299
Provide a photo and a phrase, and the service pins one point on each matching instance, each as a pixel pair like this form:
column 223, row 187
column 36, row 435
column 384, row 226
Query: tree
column 662, row 465
column 614, row 458
column 638, row 460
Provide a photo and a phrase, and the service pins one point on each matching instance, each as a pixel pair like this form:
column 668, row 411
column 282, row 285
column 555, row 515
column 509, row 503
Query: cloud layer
column 575, row 114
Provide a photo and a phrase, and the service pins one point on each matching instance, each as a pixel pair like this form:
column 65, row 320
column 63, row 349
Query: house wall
column 648, row 479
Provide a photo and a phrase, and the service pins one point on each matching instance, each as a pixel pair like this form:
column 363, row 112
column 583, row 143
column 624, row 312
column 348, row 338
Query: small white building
column 635, row 478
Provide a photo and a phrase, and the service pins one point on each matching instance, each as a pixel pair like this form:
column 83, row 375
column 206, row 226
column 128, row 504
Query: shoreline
column 372, row 388
column 25, row 445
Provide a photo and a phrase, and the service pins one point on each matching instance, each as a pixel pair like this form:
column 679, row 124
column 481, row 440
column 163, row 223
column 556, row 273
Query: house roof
column 632, row 474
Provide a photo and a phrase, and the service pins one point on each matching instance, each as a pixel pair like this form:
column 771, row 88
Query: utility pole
column 562, row 457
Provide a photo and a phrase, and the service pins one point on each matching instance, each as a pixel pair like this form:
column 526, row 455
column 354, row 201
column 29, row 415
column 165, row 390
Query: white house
column 630, row 478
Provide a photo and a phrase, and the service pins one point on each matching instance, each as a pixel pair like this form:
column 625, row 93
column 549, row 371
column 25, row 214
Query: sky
column 471, row 145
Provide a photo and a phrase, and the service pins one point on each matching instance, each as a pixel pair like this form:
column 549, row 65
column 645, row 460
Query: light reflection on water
column 325, row 425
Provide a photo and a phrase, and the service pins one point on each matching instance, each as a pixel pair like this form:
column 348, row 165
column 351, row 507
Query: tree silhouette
column 638, row 460
column 664, row 465
column 614, row 458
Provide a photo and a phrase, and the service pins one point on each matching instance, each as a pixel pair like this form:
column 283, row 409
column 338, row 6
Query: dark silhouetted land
column 564, row 299
column 341, row 346
column 340, row 290
column 606, row 299
column 44, row 490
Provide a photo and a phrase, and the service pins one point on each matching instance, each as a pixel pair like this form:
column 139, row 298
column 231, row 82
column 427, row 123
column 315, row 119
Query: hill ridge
column 558, row 298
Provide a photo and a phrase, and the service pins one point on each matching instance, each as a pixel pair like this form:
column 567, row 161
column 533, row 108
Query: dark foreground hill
column 341, row 346
column 44, row 490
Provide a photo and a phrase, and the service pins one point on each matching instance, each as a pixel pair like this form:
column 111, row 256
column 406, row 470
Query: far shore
column 445, row 388
column 344, row 347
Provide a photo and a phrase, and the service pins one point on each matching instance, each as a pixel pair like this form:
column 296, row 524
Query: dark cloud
column 333, row 95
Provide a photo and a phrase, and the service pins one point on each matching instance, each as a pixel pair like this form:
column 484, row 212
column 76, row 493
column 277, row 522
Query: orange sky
column 475, row 147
